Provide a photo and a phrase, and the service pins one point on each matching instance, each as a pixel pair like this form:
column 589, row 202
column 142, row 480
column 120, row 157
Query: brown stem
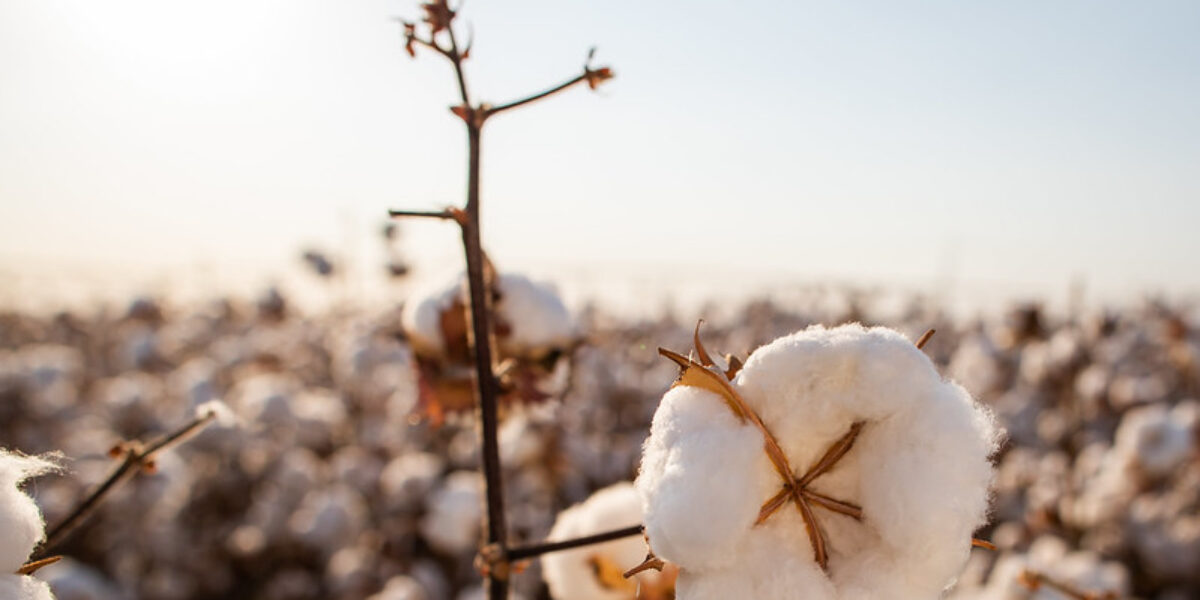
column 538, row 96
column 135, row 457
column 32, row 566
column 456, row 58
column 1034, row 579
column 925, row 338
column 524, row 552
column 441, row 214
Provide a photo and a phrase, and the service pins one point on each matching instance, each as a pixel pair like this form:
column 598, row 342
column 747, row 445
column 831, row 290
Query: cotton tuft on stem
column 889, row 472
column 594, row 572
column 21, row 526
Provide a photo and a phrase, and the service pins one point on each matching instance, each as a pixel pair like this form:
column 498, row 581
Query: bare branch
column 135, row 458
column 523, row 552
column 538, row 96
column 432, row 214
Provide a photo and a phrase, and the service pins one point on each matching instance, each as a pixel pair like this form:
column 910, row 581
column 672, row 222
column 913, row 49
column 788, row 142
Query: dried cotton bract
column 889, row 480
column 533, row 332
column 21, row 527
column 594, row 572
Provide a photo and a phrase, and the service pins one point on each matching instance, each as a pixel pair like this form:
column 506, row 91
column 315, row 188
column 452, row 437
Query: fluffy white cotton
column 919, row 470
column 20, row 519
column 535, row 316
column 587, row 573
column 1050, row 556
column 21, row 526
column 401, row 587
column 221, row 412
column 1157, row 440
column 421, row 317
column 23, row 587
column 455, row 510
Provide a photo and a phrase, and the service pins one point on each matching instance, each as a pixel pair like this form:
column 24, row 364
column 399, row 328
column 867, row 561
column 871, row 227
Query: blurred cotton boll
column 454, row 513
column 594, row 572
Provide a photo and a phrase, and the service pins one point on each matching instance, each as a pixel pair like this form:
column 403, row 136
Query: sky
column 1021, row 146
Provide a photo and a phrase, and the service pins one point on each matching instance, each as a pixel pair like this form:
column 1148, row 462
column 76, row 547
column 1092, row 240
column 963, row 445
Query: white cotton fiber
column 919, row 469
column 24, row 587
column 421, row 317
column 532, row 313
column 20, row 519
column 575, row 574
column 537, row 316
column 21, row 526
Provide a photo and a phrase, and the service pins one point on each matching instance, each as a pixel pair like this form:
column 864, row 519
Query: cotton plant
column 835, row 464
column 595, row 572
column 21, row 528
column 533, row 331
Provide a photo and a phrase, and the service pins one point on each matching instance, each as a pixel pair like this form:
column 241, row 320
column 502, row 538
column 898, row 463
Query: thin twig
column 925, row 338
column 135, row 457
column 32, row 566
column 440, row 214
column 523, row 552
column 1035, row 579
column 538, row 96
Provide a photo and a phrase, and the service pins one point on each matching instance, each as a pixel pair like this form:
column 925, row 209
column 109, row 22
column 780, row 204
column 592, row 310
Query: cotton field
column 328, row 478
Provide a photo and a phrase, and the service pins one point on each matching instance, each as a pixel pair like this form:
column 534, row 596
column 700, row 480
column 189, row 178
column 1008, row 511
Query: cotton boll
column 421, row 317
column 593, row 572
column 356, row 466
column 265, row 398
column 22, row 587
column 919, row 469
column 536, row 315
column 1166, row 535
column 1050, row 556
column 401, row 587
column 20, row 518
column 349, row 572
column 977, row 364
column 221, row 413
column 531, row 318
column 329, row 518
column 1154, row 441
column 451, row 525
column 700, row 465
column 407, row 479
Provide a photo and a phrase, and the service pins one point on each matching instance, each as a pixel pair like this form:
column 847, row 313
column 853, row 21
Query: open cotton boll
column 24, row 587
column 20, row 519
column 531, row 318
column 1157, row 440
column 594, row 572
column 21, row 526
column 918, row 469
column 537, row 318
column 401, row 587
column 455, row 509
column 1049, row 556
column 421, row 317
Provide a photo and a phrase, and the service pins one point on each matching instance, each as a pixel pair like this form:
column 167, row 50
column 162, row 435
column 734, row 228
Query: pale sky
column 1019, row 144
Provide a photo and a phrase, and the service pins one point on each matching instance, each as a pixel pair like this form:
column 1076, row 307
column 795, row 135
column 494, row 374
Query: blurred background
column 193, row 200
